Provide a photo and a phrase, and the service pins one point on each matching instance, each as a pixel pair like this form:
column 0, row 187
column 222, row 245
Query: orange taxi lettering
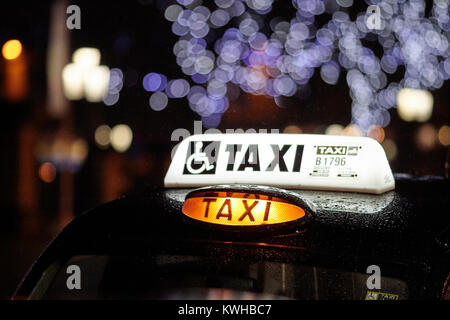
column 208, row 202
column 266, row 213
column 227, row 203
column 248, row 210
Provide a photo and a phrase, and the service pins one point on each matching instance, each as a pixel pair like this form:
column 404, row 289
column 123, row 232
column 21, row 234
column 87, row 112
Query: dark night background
column 135, row 37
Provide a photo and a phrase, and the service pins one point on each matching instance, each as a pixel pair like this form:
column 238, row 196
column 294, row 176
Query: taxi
column 260, row 216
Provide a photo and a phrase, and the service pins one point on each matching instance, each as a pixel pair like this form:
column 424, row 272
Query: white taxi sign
column 291, row 161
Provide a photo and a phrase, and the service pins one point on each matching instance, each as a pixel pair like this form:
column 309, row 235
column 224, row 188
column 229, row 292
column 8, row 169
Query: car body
column 144, row 245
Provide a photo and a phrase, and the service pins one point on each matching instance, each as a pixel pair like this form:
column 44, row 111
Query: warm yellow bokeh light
column 86, row 58
column 292, row 129
column 444, row 135
column 334, row 130
column 73, row 84
column 79, row 150
column 121, row 137
column 12, row 49
column 85, row 77
column 426, row 137
column 352, row 130
column 96, row 80
column 414, row 104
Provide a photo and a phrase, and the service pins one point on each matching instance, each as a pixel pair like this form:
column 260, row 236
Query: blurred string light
column 278, row 57
column 115, row 85
column 12, row 49
column 158, row 101
column 84, row 77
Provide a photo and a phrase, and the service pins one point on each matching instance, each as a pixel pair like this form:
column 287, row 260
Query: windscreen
column 167, row 276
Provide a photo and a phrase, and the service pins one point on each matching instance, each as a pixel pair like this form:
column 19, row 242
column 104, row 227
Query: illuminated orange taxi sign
column 240, row 209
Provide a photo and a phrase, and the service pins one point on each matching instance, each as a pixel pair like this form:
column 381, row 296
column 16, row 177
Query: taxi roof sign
column 230, row 208
column 291, row 161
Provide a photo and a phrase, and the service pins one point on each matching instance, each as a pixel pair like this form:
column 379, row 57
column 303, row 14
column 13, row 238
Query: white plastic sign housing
column 291, row 161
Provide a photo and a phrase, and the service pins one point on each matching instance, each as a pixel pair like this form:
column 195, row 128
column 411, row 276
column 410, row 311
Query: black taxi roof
column 406, row 230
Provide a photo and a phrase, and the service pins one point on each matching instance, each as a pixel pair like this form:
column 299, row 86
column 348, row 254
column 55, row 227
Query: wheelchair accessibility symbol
column 202, row 160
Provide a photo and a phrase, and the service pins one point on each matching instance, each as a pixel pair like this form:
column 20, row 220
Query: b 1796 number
column 330, row 161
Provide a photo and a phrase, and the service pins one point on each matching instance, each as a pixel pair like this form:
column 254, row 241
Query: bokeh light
column 73, row 81
column 86, row 57
column 444, row 135
column 154, row 82
column 278, row 57
column 414, row 104
column 376, row 132
column 78, row 151
column 158, row 101
column 178, row 88
column 334, row 129
column 115, row 85
column 12, row 49
column 101, row 136
column 352, row 130
column 96, row 80
column 426, row 137
column 292, row 129
column 86, row 78
column 121, row 137
column 47, row 172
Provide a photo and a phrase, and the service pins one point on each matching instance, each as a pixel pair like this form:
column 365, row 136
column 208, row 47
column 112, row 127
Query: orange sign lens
column 240, row 209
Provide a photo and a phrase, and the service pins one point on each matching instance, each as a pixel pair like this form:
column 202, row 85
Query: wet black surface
column 407, row 236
